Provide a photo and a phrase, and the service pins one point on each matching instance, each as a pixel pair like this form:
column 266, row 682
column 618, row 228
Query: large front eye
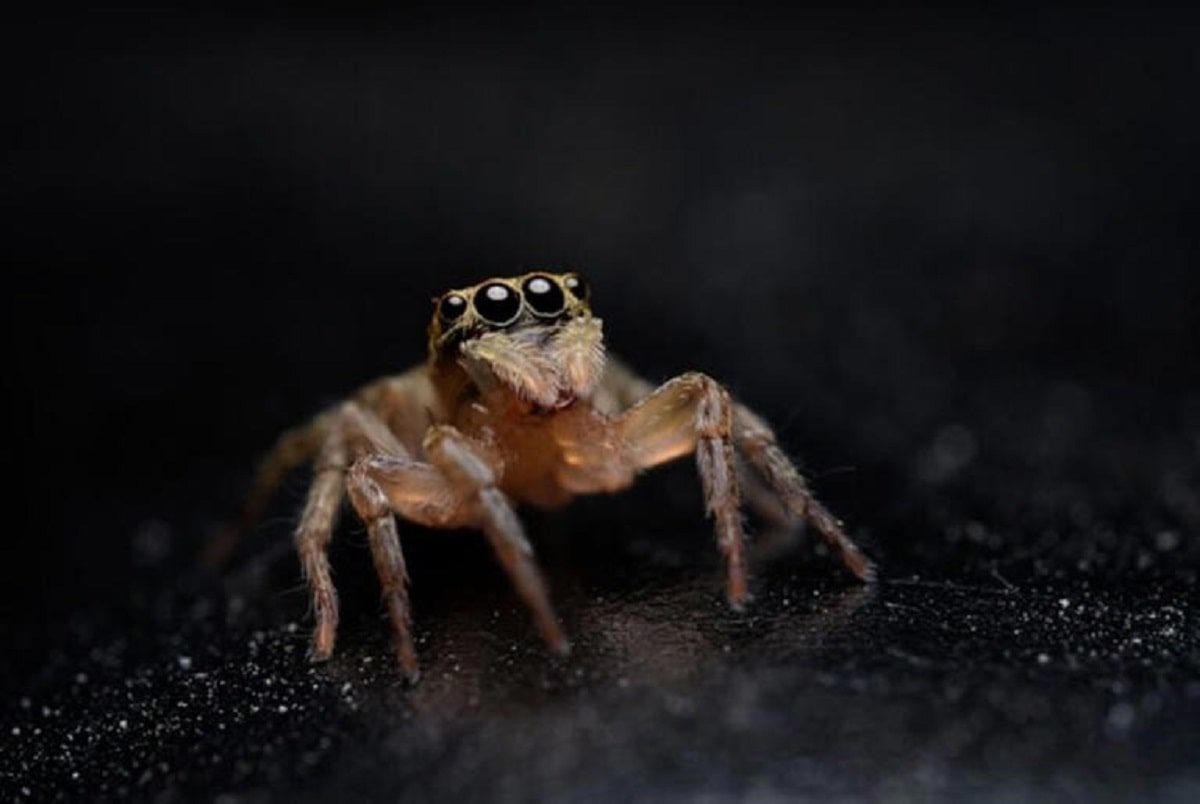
column 544, row 296
column 451, row 307
column 497, row 304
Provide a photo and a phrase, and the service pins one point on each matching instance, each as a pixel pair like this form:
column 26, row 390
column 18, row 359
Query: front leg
column 456, row 488
column 693, row 413
column 472, row 474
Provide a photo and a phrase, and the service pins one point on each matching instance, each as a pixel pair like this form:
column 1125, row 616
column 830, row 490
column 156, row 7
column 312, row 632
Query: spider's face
column 533, row 334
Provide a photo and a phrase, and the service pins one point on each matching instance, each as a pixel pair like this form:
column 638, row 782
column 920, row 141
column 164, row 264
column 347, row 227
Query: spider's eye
column 497, row 304
column 578, row 287
column 452, row 307
column 544, row 296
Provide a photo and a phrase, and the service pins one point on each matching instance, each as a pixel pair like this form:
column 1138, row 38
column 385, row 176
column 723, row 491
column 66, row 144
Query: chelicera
column 519, row 404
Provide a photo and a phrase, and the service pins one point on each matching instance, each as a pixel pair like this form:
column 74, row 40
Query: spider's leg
column 458, row 488
column 468, row 469
column 693, row 413
column 291, row 450
column 757, row 442
column 620, row 388
column 778, row 530
column 366, row 434
column 353, row 431
column 372, row 506
column 312, row 538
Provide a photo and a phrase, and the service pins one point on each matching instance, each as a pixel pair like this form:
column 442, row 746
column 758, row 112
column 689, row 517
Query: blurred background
column 951, row 255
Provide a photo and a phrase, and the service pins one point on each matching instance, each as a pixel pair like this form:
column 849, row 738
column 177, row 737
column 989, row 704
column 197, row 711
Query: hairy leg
column 312, row 538
column 458, row 488
column 621, row 388
column 693, row 413
column 401, row 403
column 472, row 474
column 778, row 529
column 290, row 451
column 405, row 403
column 757, row 442
column 372, row 507
column 353, row 431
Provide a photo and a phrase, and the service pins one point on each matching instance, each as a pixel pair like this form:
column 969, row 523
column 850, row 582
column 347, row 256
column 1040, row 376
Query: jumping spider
column 518, row 403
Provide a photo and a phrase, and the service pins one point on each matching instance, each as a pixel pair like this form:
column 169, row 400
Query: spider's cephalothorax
column 517, row 404
column 533, row 335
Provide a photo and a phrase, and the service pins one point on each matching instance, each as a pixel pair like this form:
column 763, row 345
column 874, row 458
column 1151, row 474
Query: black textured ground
column 973, row 669
column 953, row 260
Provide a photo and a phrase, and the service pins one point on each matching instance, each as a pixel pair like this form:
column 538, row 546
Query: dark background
column 951, row 256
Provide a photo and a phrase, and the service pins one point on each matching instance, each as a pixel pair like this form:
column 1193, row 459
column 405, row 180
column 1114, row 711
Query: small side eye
column 578, row 287
column 497, row 304
column 544, row 296
column 451, row 307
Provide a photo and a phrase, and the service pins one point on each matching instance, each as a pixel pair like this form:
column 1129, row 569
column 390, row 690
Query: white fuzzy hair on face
column 547, row 366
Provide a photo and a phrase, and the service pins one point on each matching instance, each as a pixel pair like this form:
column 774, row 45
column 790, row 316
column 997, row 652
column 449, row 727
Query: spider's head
column 533, row 335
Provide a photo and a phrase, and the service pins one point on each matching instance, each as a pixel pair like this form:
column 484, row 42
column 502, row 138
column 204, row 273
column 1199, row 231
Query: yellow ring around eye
column 497, row 303
column 544, row 296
